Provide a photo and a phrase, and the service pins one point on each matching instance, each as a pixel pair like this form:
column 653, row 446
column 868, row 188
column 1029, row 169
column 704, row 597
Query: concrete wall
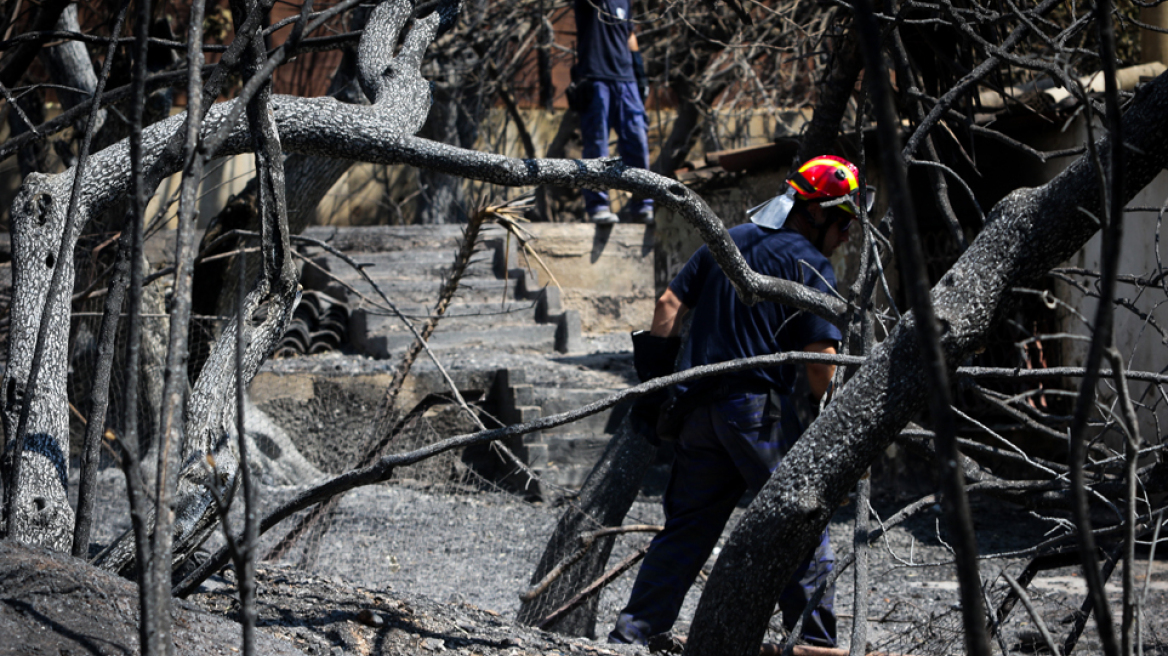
column 606, row 272
column 1138, row 327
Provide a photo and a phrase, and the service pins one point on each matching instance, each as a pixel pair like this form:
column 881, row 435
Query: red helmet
column 831, row 181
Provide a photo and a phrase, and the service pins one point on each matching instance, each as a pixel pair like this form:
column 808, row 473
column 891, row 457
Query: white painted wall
column 1137, row 338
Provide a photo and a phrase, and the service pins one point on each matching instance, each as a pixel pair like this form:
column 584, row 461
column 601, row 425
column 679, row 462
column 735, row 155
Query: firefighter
column 735, row 428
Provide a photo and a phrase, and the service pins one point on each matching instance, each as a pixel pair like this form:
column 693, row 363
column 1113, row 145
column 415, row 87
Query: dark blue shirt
column 602, row 40
column 724, row 328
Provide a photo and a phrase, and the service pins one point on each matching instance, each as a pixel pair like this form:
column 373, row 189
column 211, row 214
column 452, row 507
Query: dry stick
column 860, row 549
column 95, row 423
column 995, row 628
column 862, row 289
column 245, row 570
column 587, row 541
column 1056, row 544
column 593, row 588
column 1008, row 447
column 174, row 384
column 375, row 446
column 1026, row 420
column 1037, row 564
column 1131, row 479
column 384, row 467
column 1084, row 612
column 1103, row 338
column 523, row 237
column 912, row 260
column 132, row 442
column 336, row 279
column 108, row 331
column 940, row 184
column 273, row 210
column 1025, row 599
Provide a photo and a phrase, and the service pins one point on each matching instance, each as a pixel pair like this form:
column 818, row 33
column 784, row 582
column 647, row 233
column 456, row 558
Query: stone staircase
column 497, row 310
column 563, row 455
column 495, row 306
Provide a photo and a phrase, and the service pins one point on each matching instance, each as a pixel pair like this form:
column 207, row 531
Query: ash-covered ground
column 472, row 553
column 413, row 566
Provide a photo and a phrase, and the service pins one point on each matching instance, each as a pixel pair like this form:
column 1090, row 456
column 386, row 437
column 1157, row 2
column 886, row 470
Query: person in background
column 610, row 82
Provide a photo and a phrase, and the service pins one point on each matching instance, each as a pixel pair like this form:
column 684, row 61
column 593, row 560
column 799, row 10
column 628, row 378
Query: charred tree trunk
column 39, row 503
column 70, row 67
column 834, row 94
column 1027, row 233
column 687, row 127
column 309, row 179
column 604, row 500
column 454, row 119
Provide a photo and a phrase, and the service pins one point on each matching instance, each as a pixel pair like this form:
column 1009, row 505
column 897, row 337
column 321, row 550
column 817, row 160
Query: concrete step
column 399, row 265
column 446, row 237
column 537, row 338
column 425, row 292
column 555, row 401
column 570, row 458
column 459, row 316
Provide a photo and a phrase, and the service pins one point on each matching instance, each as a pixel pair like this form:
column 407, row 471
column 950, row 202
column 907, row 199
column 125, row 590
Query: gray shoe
column 603, row 217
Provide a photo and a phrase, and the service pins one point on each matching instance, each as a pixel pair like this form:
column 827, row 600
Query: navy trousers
column 725, row 448
column 614, row 105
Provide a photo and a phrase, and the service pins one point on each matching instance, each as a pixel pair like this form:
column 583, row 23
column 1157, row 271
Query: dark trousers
column 618, row 106
column 725, row 448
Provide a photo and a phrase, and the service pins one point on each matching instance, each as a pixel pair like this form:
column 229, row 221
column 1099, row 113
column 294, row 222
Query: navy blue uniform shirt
column 724, row 328
column 602, row 40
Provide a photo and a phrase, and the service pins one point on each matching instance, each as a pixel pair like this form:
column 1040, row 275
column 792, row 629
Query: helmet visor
column 865, row 196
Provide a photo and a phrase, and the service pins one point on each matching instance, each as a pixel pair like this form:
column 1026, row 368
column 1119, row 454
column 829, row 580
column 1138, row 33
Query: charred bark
column 1029, row 232
column 604, row 500
column 38, row 221
column 16, row 61
column 834, row 94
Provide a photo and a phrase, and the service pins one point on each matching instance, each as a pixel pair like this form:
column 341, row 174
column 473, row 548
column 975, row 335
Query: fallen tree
column 1026, row 235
